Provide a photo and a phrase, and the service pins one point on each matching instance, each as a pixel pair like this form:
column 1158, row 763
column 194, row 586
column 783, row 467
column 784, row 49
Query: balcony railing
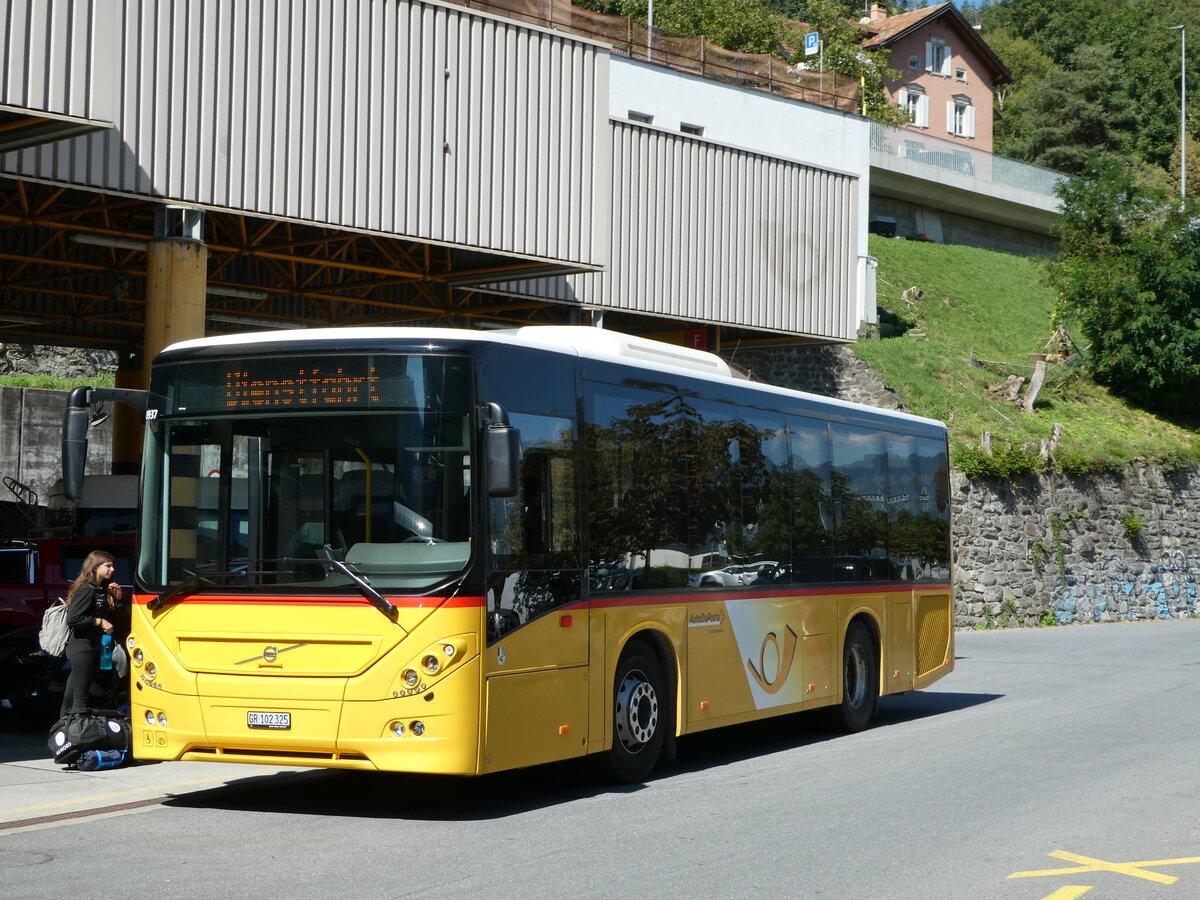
column 891, row 142
column 631, row 38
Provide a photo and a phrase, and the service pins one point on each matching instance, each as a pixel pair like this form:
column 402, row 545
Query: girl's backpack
column 54, row 634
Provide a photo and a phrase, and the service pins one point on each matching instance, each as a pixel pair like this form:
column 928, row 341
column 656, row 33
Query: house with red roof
column 947, row 71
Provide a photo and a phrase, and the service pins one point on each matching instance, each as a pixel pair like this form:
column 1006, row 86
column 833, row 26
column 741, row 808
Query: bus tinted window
column 811, row 507
column 537, row 529
column 637, row 463
column 711, row 455
column 933, row 511
column 761, row 495
column 859, row 482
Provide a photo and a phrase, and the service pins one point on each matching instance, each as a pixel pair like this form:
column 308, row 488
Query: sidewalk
column 34, row 790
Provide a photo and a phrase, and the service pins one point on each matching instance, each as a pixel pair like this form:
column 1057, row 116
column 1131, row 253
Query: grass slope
column 994, row 309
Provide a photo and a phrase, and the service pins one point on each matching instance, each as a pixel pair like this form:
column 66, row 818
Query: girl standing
column 93, row 605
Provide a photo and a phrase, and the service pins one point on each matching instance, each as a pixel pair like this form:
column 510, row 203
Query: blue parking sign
column 812, row 43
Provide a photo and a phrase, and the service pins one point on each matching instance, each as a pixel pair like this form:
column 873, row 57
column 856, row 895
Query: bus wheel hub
column 637, row 711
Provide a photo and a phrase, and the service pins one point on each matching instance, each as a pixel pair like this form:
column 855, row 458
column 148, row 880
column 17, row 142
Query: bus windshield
column 314, row 500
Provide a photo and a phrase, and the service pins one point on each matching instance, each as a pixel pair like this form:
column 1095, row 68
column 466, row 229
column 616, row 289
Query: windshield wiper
column 196, row 578
column 365, row 587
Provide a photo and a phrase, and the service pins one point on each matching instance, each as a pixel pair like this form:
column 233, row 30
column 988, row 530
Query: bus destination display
column 287, row 383
column 304, row 385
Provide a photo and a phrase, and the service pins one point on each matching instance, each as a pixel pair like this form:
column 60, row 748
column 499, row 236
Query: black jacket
column 90, row 603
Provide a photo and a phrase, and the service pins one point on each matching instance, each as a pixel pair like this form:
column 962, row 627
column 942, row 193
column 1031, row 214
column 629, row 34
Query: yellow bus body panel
column 543, row 692
column 337, row 671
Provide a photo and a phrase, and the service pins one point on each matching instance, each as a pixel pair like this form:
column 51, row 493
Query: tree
column 746, row 26
column 1074, row 116
column 1128, row 275
column 1145, row 61
column 843, row 53
column 776, row 27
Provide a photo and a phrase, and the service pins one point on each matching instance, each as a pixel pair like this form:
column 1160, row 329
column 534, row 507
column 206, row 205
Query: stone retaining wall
column 1060, row 546
column 1046, row 548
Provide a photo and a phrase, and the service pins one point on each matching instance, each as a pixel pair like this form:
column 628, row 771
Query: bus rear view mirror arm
column 77, row 419
column 501, row 452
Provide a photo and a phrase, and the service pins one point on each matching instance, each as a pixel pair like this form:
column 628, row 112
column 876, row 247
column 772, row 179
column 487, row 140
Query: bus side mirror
column 76, row 420
column 501, row 453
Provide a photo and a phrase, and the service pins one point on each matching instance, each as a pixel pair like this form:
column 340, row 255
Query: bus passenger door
column 535, row 664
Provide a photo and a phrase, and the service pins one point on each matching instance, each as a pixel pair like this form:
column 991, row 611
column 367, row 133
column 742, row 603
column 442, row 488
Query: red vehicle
column 36, row 572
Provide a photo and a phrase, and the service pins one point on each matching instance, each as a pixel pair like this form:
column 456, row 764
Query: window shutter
column 947, row 62
column 923, row 111
column 929, row 56
column 950, row 116
column 970, row 123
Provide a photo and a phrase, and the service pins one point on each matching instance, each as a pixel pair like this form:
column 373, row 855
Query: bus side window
column 535, row 494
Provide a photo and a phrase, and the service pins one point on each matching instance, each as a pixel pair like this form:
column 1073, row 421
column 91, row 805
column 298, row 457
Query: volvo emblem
column 270, row 654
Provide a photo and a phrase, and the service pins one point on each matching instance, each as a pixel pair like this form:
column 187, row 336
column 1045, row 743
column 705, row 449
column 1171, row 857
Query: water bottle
column 106, row 652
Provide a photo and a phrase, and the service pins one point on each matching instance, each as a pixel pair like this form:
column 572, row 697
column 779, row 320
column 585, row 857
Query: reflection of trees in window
column 859, row 490
column 635, row 464
column 538, row 529
column 676, row 483
column 680, row 484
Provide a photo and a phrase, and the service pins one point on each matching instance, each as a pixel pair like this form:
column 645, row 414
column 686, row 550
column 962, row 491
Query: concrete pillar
column 176, row 281
column 126, row 422
column 176, row 275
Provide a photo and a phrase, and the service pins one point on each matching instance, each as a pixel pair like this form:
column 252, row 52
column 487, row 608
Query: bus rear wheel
column 860, row 679
column 638, row 715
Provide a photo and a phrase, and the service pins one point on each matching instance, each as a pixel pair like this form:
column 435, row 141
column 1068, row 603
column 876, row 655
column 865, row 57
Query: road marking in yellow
column 1088, row 864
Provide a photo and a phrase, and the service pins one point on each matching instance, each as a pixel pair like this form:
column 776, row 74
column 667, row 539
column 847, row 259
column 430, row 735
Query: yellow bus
column 452, row 551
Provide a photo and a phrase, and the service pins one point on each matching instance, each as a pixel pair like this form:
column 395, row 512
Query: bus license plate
column 280, row 720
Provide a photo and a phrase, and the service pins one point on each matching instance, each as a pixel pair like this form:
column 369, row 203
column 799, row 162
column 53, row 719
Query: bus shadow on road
column 404, row 797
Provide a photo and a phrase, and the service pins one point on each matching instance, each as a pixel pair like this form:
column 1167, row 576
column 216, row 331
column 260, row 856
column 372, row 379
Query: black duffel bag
column 88, row 729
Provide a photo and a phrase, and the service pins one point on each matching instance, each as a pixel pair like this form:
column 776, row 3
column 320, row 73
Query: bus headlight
column 448, row 650
column 431, row 664
column 151, row 670
column 137, row 656
column 411, row 678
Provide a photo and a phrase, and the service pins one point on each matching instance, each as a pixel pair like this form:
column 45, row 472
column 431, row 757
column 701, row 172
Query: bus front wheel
column 638, row 715
column 860, row 679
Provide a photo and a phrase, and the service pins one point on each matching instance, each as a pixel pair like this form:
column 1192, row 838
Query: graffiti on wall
column 1115, row 591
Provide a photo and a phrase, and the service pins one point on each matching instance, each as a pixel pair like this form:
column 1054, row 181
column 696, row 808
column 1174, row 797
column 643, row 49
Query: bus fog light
column 162, row 720
column 448, row 650
column 411, row 678
column 398, row 729
column 149, row 717
column 431, row 664
column 418, row 728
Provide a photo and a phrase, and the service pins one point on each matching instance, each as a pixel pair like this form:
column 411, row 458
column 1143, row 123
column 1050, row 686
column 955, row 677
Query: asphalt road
column 1055, row 763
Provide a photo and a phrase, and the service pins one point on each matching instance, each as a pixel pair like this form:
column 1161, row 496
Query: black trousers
column 84, row 657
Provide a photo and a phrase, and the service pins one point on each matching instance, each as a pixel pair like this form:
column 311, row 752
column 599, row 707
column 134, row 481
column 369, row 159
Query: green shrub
column 1133, row 525
column 1075, row 463
column 1175, row 462
column 1003, row 462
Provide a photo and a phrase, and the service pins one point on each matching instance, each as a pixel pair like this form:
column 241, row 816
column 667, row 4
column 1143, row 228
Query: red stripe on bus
column 265, row 600
column 675, row 599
